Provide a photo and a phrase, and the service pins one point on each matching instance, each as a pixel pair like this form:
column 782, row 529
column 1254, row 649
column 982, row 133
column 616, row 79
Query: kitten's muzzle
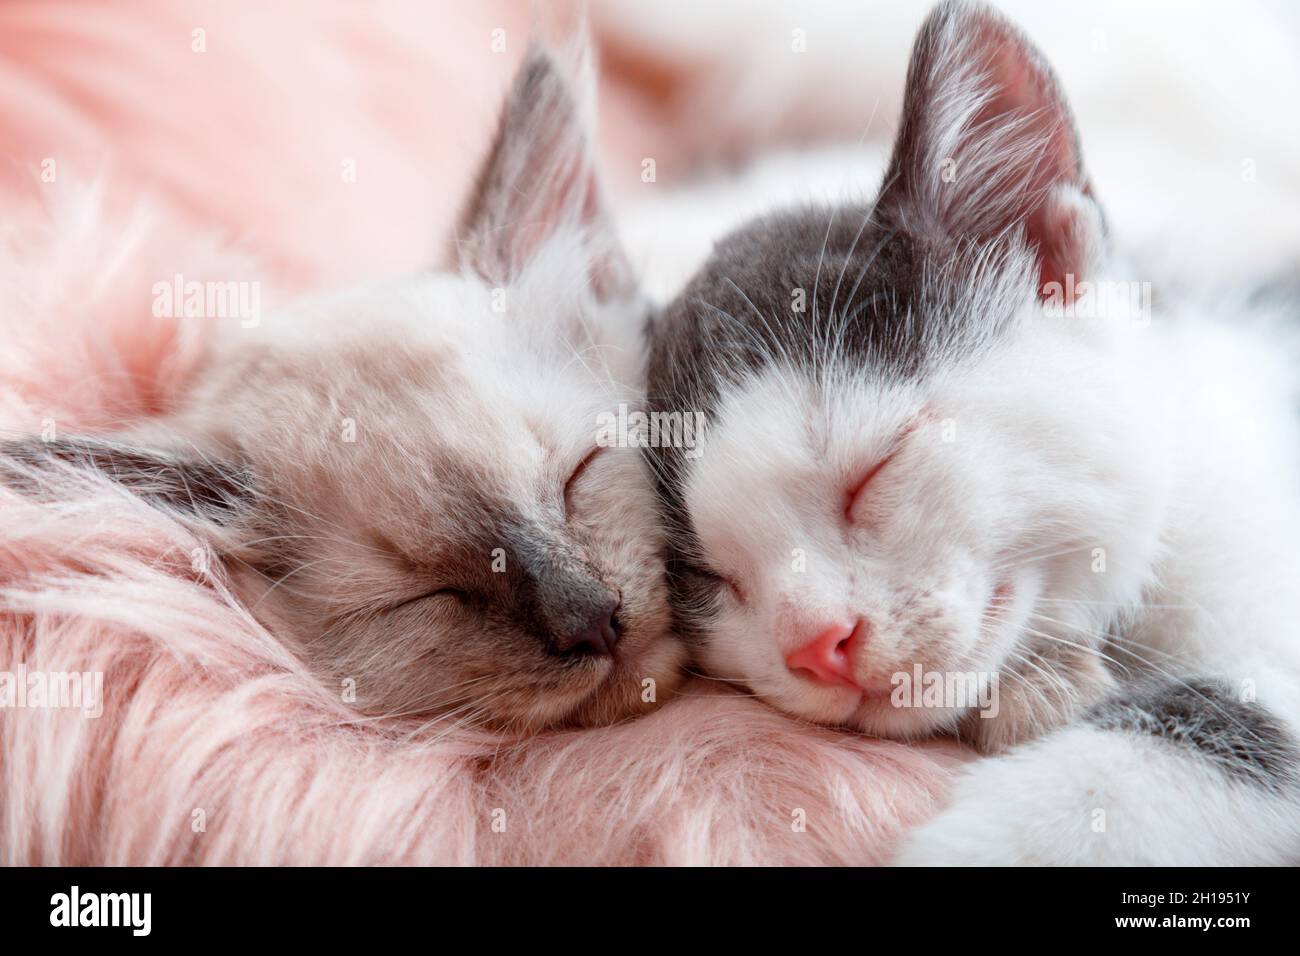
column 570, row 606
column 596, row 638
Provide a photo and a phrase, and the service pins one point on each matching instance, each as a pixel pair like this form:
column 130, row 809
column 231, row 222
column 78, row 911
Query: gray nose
column 565, row 601
column 595, row 638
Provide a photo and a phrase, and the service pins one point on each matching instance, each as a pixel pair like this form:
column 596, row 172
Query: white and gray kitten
column 403, row 480
column 930, row 452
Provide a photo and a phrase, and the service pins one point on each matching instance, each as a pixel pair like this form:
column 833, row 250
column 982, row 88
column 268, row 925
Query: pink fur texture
column 249, row 136
column 214, row 745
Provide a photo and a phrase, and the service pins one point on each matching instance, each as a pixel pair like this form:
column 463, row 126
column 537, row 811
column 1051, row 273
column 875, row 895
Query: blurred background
column 335, row 141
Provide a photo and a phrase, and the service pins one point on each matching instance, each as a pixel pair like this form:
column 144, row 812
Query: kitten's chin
column 637, row 684
column 876, row 714
column 883, row 717
column 646, row 668
column 643, row 673
column 590, row 692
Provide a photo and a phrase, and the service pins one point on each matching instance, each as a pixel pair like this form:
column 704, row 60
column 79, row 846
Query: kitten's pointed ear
column 540, row 179
column 191, row 487
column 987, row 149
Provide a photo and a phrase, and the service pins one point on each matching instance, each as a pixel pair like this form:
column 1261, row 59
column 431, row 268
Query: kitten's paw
column 1091, row 797
column 1048, row 803
column 1039, row 699
column 978, row 829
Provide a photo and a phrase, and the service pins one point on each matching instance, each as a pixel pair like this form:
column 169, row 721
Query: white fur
column 1084, row 797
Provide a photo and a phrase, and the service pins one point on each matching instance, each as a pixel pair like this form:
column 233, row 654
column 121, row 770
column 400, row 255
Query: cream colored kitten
column 404, row 480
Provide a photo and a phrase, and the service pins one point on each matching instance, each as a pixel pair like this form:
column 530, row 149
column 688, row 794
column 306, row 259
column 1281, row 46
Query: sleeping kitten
column 404, row 480
column 930, row 451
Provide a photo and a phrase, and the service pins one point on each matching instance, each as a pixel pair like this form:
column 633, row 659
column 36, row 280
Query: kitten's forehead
column 828, row 293
column 791, row 448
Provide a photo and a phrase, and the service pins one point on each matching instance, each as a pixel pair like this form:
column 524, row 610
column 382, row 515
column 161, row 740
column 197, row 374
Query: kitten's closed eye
column 705, row 579
column 455, row 594
column 570, row 486
column 858, row 491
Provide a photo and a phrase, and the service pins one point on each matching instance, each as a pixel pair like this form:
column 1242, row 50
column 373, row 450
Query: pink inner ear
column 539, row 179
column 1025, row 92
column 1063, row 232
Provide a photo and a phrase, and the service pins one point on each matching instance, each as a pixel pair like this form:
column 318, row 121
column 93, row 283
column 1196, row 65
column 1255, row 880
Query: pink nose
column 825, row 658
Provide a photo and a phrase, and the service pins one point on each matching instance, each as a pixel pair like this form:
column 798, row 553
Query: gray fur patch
column 814, row 290
column 208, row 489
column 1246, row 741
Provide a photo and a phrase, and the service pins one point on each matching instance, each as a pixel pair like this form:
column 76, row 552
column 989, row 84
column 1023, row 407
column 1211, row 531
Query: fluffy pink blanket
column 214, row 745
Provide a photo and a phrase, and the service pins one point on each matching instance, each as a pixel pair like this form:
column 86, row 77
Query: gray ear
column 194, row 487
column 540, row 179
column 987, row 149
